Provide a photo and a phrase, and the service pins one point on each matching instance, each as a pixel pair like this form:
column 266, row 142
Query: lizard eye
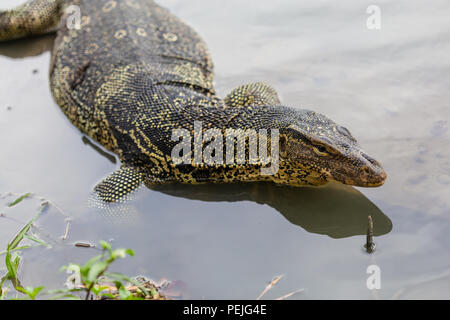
column 320, row 150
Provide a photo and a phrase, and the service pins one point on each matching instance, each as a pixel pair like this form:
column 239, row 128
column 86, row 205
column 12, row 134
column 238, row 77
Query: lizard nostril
column 370, row 159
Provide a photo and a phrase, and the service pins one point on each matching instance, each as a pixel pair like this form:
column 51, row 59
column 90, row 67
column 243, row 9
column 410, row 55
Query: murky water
column 389, row 86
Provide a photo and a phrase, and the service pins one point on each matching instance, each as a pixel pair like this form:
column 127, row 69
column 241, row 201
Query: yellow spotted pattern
column 134, row 72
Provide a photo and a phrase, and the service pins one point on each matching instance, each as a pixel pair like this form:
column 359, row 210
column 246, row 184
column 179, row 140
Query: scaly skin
column 134, row 72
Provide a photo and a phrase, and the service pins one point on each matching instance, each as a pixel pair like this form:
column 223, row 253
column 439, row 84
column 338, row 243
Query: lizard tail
column 35, row 17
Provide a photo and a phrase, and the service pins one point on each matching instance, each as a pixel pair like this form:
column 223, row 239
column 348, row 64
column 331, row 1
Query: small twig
column 290, row 294
column 89, row 289
column 270, row 286
column 64, row 237
column 397, row 295
column 370, row 245
column 84, row 245
column 61, row 211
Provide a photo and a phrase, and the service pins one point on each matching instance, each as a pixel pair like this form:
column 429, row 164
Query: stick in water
column 370, row 245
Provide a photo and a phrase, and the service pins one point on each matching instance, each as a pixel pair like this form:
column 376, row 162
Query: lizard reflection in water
column 335, row 210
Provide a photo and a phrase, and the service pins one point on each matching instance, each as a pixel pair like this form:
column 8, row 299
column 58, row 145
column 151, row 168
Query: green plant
column 93, row 276
column 30, row 291
column 12, row 253
column 93, row 280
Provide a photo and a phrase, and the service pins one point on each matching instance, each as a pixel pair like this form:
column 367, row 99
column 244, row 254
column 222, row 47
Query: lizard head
column 319, row 150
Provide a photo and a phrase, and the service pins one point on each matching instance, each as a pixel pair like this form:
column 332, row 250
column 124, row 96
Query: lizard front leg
column 253, row 94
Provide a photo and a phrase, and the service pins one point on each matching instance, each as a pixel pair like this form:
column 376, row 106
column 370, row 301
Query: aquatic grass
column 94, row 282
column 3, row 293
column 30, row 292
column 15, row 249
column 90, row 280
column 23, row 233
column 20, row 199
column 12, row 265
column 90, row 273
column 37, row 240
column 12, row 253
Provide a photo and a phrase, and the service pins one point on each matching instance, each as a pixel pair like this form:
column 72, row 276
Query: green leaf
column 3, row 293
column 118, row 284
column 20, row 289
column 96, row 270
column 105, row 245
column 87, row 265
column 121, row 277
column 65, row 291
column 71, row 297
column 16, row 262
column 98, row 289
column 15, row 242
column 37, row 240
column 133, row 297
column 30, row 291
column 35, row 292
column 15, row 249
column 121, row 253
column 107, row 295
column 15, row 282
column 124, row 293
column 2, row 281
column 11, row 265
column 18, row 200
column 65, row 297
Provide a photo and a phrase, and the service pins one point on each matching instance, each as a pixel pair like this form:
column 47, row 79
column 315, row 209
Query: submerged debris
column 272, row 284
column 83, row 245
column 370, row 245
column 290, row 294
column 66, row 233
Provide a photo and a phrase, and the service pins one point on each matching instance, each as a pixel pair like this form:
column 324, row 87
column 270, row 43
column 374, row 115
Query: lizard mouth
column 367, row 173
column 373, row 174
column 379, row 181
column 364, row 181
